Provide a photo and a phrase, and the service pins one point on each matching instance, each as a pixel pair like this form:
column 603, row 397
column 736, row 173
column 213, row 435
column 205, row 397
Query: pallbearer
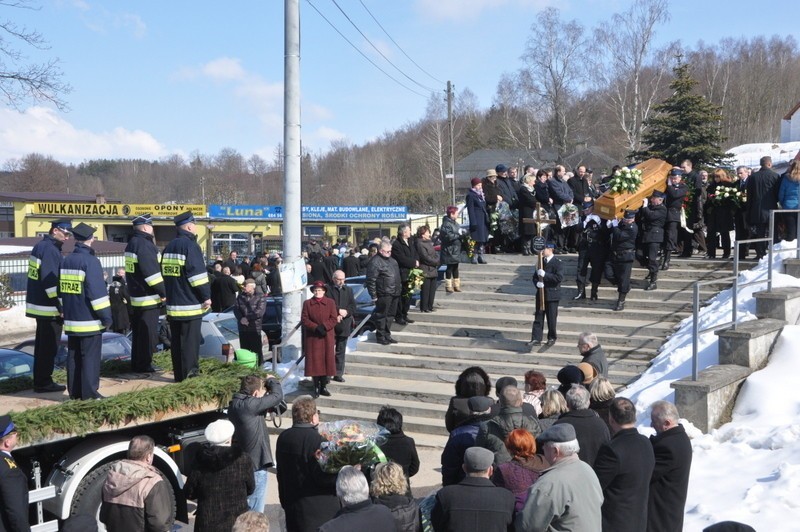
column 654, row 216
column 592, row 250
column 146, row 287
column 623, row 252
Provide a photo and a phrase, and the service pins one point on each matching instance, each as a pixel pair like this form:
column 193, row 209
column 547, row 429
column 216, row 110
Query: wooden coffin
column 654, row 177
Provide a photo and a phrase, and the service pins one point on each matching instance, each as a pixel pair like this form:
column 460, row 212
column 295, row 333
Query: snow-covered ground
column 749, row 154
column 747, row 470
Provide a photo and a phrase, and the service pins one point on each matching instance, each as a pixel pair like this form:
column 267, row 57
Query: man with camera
column 247, row 412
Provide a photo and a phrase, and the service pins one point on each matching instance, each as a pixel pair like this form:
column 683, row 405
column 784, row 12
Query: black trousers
column 341, row 350
column 144, row 336
column 427, row 294
column 697, row 236
column 790, row 226
column 185, row 346
column 671, row 236
column 651, row 253
column 714, row 237
column 550, row 313
column 742, row 232
column 45, row 347
column 403, row 302
column 452, row 271
column 83, row 366
column 385, row 310
column 251, row 340
column 759, row 231
column 622, row 273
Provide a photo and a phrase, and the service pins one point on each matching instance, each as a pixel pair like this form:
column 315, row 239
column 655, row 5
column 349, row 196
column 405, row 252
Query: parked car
column 115, row 347
column 14, row 363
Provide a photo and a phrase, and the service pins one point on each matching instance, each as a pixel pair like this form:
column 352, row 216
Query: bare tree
column 633, row 73
column 22, row 81
column 554, row 62
column 435, row 140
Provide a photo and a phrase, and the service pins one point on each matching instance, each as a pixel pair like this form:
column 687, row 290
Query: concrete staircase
column 488, row 324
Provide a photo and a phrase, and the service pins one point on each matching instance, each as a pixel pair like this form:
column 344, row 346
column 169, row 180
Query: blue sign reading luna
column 311, row 212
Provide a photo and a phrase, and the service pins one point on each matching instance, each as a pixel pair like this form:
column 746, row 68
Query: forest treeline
column 572, row 88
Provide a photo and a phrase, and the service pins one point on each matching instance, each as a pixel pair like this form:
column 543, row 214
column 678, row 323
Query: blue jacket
column 41, row 300
column 185, row 277
column 559, row 191
column 789, row 193
column 83, row 292
column 143, row 271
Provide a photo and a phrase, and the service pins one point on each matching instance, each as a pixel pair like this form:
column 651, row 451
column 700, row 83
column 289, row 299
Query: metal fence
column 770, row 240
column 17, row 270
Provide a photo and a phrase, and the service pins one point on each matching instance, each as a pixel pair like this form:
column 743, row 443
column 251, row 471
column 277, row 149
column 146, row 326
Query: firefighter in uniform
column 87, row 313
column 188, row 295
column 13, row 482
column 674, row 195
column 41, row 302
column 623, row 251
column 146, row 288
column 592, row 251
column 654, row 217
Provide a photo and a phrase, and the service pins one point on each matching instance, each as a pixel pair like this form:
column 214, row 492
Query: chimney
column 101, row 199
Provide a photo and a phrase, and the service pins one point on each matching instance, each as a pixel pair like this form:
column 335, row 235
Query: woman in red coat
column 319, row 318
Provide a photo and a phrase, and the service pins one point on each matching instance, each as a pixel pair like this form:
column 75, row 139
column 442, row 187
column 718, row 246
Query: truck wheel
column 89, row 495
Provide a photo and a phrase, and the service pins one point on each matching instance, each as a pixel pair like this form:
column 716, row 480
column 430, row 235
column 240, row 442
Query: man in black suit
column 624, row 466
column 675, row 193
column 740, row 215
column 13, row 482
column 623, row 251
column 654, row 216
column 346, row 307
column 475, row 503
column 762, row 197
column 549, row 278
column 670, row 480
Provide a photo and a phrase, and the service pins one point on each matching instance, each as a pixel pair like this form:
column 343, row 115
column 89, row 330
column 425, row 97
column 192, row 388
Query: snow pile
column 749, row 154
column 14, row 324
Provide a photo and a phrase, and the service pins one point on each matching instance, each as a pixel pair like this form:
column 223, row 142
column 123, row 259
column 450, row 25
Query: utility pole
column 292, row 234
column 452, row 147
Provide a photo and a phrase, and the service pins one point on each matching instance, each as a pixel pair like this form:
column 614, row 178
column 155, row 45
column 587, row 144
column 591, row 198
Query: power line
column 363, row 54
column 398, row 46
column 378, row 50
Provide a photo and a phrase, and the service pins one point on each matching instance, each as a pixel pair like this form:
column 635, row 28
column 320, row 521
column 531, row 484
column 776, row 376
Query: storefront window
column 224, row 243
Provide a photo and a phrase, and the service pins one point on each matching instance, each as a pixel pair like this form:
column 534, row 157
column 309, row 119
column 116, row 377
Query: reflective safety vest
column 41, row 300
column 143, row 271
column 83, row 292
column 185, row 277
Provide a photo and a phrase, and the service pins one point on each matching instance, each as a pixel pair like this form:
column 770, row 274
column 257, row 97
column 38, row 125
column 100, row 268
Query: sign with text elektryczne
column 311, row 212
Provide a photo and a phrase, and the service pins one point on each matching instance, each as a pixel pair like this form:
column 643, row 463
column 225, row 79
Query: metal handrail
column 280, row 346
column 696, row 331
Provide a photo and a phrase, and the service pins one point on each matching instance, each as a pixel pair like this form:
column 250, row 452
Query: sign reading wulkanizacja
column 115, row 209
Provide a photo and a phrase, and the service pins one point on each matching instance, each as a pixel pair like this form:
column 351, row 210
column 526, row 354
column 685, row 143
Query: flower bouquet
column 468, row 245
column 625, row 180
column 349, row 442
column 569, row 215
column 414, row 283
column 727, row 196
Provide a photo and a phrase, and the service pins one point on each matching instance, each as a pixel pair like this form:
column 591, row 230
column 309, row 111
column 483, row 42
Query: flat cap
column 479, row 459
column 561, row 433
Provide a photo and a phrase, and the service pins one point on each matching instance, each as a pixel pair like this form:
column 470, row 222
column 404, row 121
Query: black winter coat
column 450, row 236
column 507, row 188
column 670, row 480
column 405, row 253
column 653, row 219
column 428, row 258
column 623, row 467
column 527, row 209
column 383, row 277
column 591, row 431
column 762, row 195
column 364, row 516
column 223, row 293
column 220, row 482
column 490, row 192
column 351, row 265
column 345, row 300
column 402, row 450
column 719, row 216
column 580, row 189
column 473, row 505
column 120, row 301
column 405, row 512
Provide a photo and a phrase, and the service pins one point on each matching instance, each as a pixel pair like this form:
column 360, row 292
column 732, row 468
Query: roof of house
column 591, row 157
column 476, row 163
column 101, row 247
column 791, row 113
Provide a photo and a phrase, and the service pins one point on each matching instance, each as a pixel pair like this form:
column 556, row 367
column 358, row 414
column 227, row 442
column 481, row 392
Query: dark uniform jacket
column 670, row 480
column 473, row 505
column 590, row 430
column 383, row 277
column 13, row 496
column 87, row 308
column 623, row 242
column 595, row 236
column 41, row 299
column 185, row 277
column 653, row 219
column 553, row 275
column 623, row 467
column 143, row 271
column 674, row 200
column 344, row 299
column 762, row 195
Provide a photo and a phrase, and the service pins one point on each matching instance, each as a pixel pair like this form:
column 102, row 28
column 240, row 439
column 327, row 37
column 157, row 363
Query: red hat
column 475, row 181
column 319, row 284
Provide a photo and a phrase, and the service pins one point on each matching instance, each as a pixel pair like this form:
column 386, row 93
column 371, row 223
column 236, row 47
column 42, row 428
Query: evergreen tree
column 685, row 126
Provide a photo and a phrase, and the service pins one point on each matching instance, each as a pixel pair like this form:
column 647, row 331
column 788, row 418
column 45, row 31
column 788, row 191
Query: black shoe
column 384, row 341
column 665, row 266
column 581, row 295
column 338, row 378
column 620, row 306
column 534, row 343
column 52, row 387
column 408, row 320
column 401, row 321
column 550, row 342
column 324, row 392
column 151, row 369
column 392, row 340
column 192, row 374
column 651, row 286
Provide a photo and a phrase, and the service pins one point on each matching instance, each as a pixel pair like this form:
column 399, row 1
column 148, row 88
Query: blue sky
column 151, row 78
